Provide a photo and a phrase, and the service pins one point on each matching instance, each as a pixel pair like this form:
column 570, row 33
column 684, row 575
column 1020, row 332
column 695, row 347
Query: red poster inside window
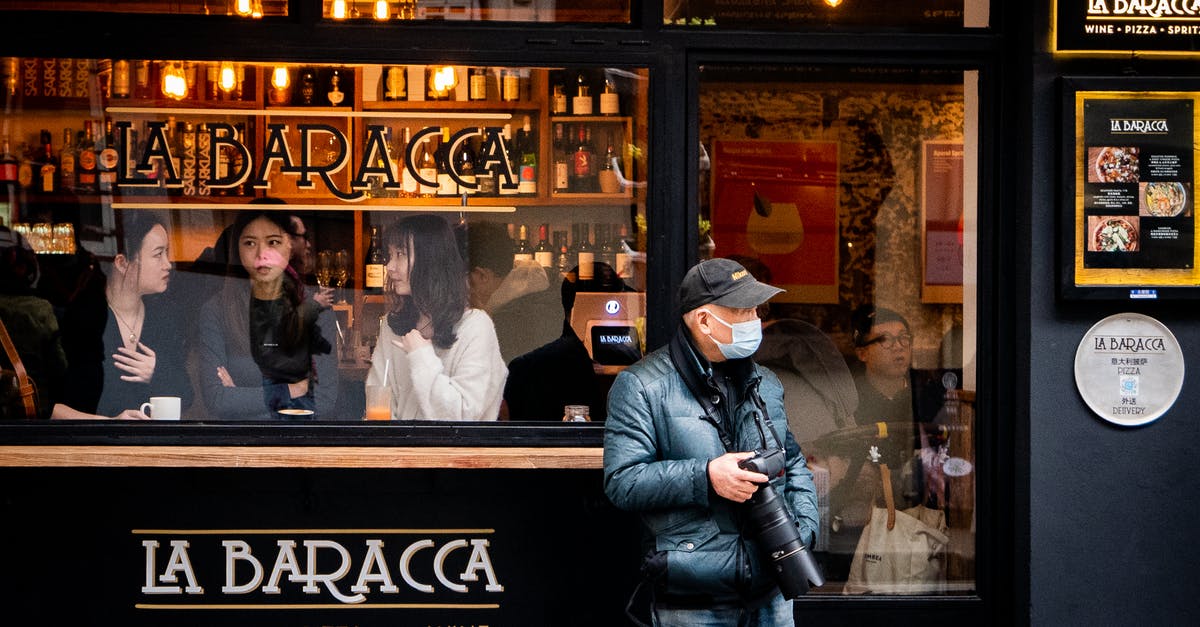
column 777, row 202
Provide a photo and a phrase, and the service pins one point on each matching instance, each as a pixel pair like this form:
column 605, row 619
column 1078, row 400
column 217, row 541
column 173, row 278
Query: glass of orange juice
column 379, row 402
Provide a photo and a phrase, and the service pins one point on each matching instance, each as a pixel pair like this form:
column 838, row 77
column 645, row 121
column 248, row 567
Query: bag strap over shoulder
column 24, row 384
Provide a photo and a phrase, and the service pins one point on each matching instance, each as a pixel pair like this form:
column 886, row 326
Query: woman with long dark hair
column 439, row 357
column 261, row 343
column 142, row 349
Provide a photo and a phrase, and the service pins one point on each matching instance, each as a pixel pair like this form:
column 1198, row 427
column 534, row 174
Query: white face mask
column 746, row 337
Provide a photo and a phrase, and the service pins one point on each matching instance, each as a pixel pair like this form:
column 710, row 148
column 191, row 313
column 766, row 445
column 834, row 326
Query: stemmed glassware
column 324, row 268
column 341, row 273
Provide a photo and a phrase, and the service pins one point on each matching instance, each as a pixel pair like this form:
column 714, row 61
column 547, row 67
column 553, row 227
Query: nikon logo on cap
column 739, row 274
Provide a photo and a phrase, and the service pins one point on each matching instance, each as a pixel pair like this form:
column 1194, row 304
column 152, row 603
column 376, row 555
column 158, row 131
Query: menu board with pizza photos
column 1133, row 233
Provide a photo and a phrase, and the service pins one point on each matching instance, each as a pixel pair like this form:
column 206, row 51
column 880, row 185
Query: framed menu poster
column 1129, row 182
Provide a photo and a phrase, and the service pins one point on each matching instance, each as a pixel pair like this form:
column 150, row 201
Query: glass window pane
column 931, row 15
column 577, row 11
column 853, row 189
column 284, row 237
column 246, row 8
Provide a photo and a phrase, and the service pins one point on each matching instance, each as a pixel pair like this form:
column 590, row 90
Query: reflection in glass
column 813, row 186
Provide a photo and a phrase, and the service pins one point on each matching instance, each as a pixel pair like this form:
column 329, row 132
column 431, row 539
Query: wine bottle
column 607, row 178
column 408, row 183
column 562, row 166
column 581, row 104
column 307, row 94
column 512, row 156
column 522, row 251
column 395, row 83
column 47, row 173
column 510, row 85
column 108, row 159
column 334, row 94
column 610, row 101
column 121, row 84
column 66, row 162
column 562, row 260
column 623, row 267
column 427, row 168
column 584, row 255
column 527, row 144
column 477, row 84
column 466, row 168
column 375, row 272
column 580, row 181
column 542, row 253
column 446, row 185
column 87, row 171
column 558, row 100
column 8, row 167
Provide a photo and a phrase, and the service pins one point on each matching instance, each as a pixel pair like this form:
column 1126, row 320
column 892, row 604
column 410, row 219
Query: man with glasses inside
column 883, row 343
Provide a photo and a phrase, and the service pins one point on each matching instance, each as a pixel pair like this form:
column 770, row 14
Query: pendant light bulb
column 280, row 78
column 228, row 78
column 338, row 12
column 243, row 8
column 382, row 10
column 174, row 83
column 833, row 3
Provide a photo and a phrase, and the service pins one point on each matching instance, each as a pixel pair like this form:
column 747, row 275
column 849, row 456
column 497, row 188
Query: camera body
column 778, row 535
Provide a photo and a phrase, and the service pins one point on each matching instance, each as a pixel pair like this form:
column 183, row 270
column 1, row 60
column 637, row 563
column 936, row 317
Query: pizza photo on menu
column 1112, row 234
column 1112, row 164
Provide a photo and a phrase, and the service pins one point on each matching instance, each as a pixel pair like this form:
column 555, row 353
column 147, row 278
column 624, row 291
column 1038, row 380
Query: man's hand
column 731, row 482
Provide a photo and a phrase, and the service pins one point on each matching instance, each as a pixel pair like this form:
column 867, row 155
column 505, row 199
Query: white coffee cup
column 162, row 408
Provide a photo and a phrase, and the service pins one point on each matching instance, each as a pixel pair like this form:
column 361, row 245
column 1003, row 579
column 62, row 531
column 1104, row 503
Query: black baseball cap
column 722, row 282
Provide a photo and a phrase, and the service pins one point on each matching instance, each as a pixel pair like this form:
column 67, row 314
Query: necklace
column 133, row 336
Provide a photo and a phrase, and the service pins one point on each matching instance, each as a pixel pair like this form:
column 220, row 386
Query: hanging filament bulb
column 338, row 12
column 382, row 10
column 444, row 79
column 243, row 8
column 228, row 78
column 174, row 82
column 280, row 78
column 256, row 10
column 833, row 3
column 281, row 86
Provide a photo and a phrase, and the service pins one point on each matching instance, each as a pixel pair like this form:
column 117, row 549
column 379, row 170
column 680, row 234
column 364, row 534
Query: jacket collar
column 697, row 370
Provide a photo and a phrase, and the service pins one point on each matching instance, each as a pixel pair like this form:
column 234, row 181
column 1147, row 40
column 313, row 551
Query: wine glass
column 324, row 268
column 341, row 271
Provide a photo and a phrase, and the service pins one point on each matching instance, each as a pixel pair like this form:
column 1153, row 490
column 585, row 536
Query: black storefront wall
column 1109, row 515
column 171, row 546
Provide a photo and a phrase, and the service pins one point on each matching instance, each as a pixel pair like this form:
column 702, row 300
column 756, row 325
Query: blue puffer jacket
column 656, row 452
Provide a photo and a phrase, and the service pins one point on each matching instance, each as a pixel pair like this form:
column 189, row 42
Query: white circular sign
column 612, row 307
column 1129, row 369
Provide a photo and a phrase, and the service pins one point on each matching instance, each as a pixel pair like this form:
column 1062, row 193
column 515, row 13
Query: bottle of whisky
column 375, row 273
column 66, row 162
column 47, row 174
column 87, row 171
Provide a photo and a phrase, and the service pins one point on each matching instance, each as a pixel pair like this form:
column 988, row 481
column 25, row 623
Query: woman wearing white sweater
column 439, row 357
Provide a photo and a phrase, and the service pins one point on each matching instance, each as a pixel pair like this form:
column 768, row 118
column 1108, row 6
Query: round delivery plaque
column 1129, row 369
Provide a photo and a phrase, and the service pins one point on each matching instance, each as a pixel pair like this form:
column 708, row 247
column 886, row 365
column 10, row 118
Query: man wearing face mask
column 679, row 421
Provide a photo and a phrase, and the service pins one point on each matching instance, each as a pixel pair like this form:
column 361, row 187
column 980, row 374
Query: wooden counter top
column 461, row 457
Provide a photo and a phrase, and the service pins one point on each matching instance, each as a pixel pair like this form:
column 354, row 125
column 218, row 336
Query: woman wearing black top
column 262, row 337
column 143, row 352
